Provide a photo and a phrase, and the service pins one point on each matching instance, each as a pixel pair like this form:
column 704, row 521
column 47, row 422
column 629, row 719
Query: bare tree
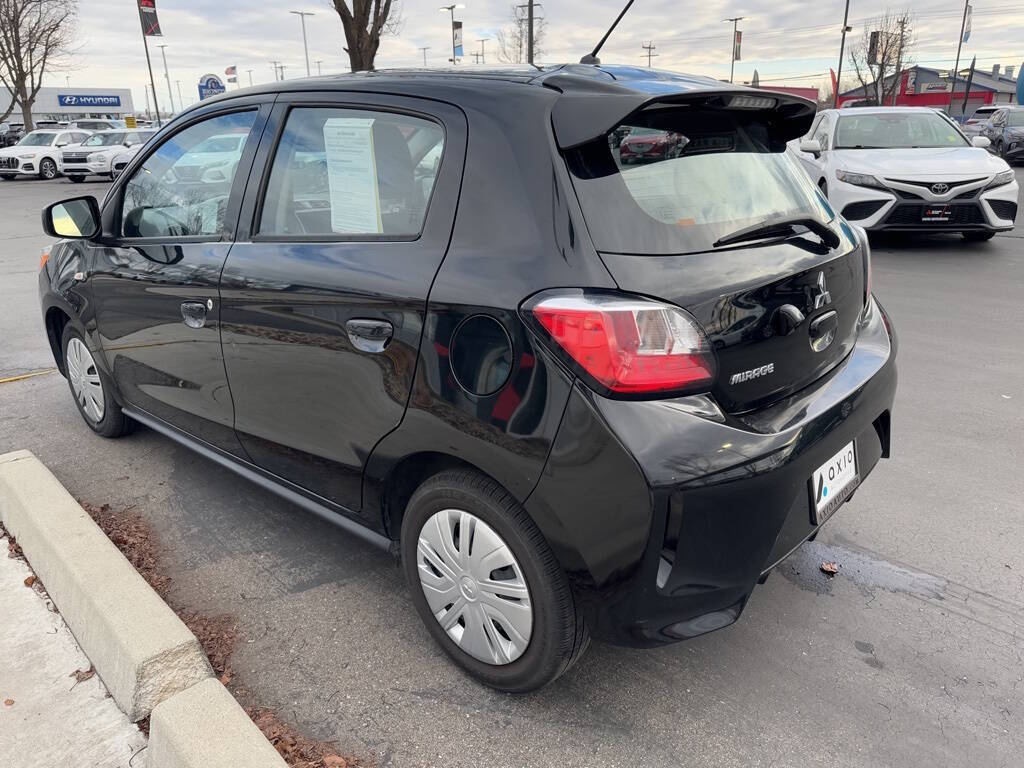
column 512, row 39
column 35, row 35
column 364, row 23
column 878, row 68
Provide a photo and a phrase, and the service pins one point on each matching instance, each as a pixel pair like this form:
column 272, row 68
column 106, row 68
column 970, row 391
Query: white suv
column 92, row 157
column 38, row 153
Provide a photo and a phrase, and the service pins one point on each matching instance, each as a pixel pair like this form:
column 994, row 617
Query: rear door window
column 675, row 179
column 350, row 173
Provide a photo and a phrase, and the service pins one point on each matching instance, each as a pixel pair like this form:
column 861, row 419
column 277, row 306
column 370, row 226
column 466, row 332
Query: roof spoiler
column 590, row 107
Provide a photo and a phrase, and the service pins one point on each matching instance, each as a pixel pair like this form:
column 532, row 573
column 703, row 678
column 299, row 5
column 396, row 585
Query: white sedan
column 908, row 169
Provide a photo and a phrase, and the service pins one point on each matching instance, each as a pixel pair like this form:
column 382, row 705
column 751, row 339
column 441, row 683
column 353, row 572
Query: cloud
column 783, row 39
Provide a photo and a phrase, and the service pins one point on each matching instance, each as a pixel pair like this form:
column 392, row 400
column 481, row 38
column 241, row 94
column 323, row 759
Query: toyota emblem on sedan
column 940, row 188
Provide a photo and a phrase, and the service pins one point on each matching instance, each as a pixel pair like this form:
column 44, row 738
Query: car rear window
column 675, row 179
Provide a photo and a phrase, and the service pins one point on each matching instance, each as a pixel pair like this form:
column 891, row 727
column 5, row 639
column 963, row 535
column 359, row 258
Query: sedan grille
column 911, row 215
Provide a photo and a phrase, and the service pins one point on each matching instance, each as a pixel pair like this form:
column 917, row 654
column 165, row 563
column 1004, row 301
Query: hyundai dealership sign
column 87, row 100
column 210, row 85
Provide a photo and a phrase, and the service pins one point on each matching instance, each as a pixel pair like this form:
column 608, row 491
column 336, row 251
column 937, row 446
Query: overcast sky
column 788, row 41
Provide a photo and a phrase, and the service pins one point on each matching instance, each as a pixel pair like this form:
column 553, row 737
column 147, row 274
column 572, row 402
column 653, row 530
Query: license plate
column 833, row 482
column 937, row 213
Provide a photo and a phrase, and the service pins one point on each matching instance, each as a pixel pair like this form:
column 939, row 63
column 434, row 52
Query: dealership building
column 74, row 103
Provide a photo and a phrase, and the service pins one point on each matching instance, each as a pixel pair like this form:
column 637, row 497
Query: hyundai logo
column 940, row 189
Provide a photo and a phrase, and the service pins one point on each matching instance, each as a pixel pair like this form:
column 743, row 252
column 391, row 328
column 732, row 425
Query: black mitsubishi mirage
column 579, row 397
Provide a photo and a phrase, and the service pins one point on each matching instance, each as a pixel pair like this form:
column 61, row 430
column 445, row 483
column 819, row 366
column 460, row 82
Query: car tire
column 90, row 388
column 76, row 179
column 557, row 634
column 999, row 149
column 48, row 169
column 977, row 237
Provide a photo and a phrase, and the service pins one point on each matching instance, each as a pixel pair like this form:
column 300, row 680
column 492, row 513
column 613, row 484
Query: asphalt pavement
column 910, row 656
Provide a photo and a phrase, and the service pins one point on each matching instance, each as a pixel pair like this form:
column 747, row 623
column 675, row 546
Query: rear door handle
column 369, row 335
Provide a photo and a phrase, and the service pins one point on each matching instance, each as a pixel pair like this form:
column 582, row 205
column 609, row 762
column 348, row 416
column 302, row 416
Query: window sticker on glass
column 352, row 175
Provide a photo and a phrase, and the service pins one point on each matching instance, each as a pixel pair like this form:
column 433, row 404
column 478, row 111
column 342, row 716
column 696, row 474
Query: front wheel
column 91, row 389
column 47, row 169
column 7, row 176
column 977, row 237
column 487, row 585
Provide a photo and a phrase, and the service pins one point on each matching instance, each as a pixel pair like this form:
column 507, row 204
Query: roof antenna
column 591, row 58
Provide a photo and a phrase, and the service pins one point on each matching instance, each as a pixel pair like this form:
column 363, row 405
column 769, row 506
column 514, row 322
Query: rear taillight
column 628, row 345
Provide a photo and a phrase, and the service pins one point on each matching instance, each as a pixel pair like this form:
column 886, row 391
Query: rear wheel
column 487, row 585
column 91, row 389
column 977, row 237
column 47, row 169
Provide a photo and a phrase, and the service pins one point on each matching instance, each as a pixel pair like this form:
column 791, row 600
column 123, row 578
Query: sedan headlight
column 859, row 179
column 1001, row 178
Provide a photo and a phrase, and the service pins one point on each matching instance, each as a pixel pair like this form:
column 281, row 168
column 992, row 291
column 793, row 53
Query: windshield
column 896, row 130
column 37, row 140
column 218, row 144
column 1015, row 119
column 698, row 174
column 104, row 139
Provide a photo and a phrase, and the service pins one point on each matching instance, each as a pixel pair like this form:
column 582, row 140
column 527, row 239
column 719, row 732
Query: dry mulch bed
column 218, row 635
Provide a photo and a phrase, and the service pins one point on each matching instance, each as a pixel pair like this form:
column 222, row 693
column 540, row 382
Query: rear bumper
column 666, row 519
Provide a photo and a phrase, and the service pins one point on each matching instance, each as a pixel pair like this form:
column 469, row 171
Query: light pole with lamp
column 302, row 15
column 451, row 9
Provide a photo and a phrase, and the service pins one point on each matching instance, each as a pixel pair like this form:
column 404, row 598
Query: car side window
column 824, row 133
column 182, row 188
column 351, row 173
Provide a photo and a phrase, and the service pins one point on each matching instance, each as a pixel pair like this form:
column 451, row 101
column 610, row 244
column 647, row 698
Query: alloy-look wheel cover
column 85, row 380
column 474, row 586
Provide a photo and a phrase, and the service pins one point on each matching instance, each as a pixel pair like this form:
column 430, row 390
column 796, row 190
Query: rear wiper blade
column 782, row 226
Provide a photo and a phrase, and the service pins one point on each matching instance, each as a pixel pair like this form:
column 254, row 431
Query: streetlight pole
column 302, row 15
column 483, row 58
column 956, row 67
column 842, row 48
column 318, row 62
column 425, row 48
column 250, row 77
column 167, row 76
column 732, row 57
column 451, row 9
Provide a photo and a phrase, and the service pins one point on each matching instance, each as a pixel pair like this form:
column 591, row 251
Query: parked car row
column 910, row 169
column 74, row 151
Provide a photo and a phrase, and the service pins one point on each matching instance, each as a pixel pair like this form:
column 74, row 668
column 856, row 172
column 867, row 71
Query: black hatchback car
column 579, row 398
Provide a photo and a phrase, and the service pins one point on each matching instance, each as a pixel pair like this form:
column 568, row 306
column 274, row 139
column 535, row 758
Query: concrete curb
column 147, row 658
column 204, row 727
column 142, row 651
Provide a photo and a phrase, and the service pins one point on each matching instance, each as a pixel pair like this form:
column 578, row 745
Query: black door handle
column 193, row 313
column 369, row 335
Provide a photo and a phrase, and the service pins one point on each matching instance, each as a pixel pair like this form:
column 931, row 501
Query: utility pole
column 483, row 58
column 181, row 101
column 424, row 49
column 167, row 76
column 249, row 71
column 529, row 32
column 318, row 62
column 732, row 54
column 282, row 71
column 149, row 66
column 649, row 47
column 275, row 64
column 842, row 47
column 897, row 75
column 956, row 67
column 302, row 15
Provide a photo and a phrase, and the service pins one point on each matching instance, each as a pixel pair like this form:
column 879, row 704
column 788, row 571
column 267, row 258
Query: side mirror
column 77, row 218
column 62, row 144
column 981, row 142
column 811, row 147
